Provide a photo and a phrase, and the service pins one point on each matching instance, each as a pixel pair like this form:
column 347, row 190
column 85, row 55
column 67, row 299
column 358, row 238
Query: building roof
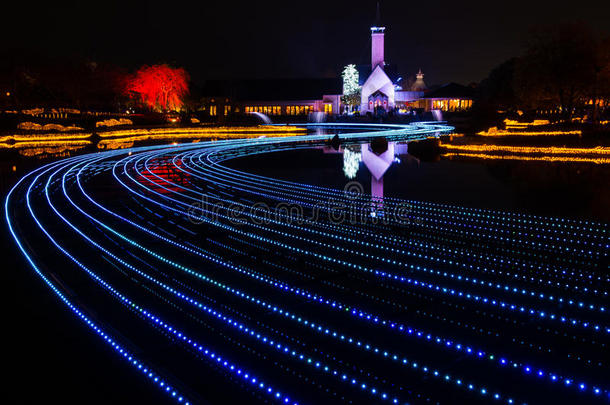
column 451, row 90
column 273, row 89
column 364, row 71
column 378, row 22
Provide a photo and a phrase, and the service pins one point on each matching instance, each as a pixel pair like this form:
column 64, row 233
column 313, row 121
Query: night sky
column 450, row 40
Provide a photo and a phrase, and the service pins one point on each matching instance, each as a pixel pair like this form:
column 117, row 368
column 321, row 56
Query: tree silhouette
column 558, row 67
column 601, row 83
column 160, row 87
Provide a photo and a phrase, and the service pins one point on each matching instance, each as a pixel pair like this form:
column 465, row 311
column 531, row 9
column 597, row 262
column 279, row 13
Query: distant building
column 272, row 96
column 380, row 91
column 419, row 84
column 451, row 97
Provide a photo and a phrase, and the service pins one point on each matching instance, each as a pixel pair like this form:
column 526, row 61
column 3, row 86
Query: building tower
column 378, row 42
column 378, row 91
column 419, row 84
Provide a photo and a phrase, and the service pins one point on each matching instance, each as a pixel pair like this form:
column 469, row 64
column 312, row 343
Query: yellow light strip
column 52, row 150
column 552, row 150
column 45, row 137
column 221, row 135
column 513, row 124
column 199, row 131
column 36, row 144
column 153, row 132
column 115, row 144
column 500, row 132
column 563, row 159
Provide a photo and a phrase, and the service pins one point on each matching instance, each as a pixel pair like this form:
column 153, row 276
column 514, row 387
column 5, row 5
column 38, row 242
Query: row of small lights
column 146, row 314
column 359, row 232
column 131, row 359
column 283, row 349
column 344, row 377
column 503, row 217
column 502, row 238
column 507, row 288
column 568, row 380
column 420, row 284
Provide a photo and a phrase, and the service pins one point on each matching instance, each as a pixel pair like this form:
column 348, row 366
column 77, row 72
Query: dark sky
column 457, row 40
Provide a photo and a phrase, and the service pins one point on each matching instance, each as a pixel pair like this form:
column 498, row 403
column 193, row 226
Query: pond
column 567, row 189
column 575, row 190
column 169, row 251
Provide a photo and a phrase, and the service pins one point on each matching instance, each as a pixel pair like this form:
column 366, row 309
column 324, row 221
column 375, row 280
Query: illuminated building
column 376, row 87
column 419, row 84
column 272, row 97
column 378, row 90
column 381, row 90
column 451, row 97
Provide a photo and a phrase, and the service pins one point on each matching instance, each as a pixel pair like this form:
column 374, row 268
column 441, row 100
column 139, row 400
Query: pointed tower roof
column 378, row 18
column 378, row 26
column 419, row 84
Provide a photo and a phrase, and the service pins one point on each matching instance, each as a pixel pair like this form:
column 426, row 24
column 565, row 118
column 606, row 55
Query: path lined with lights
column 171, row 255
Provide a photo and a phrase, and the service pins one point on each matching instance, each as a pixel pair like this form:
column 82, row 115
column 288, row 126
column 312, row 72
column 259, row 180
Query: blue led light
column 510, row 285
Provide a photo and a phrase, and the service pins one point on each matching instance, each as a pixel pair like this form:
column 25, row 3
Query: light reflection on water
column 569, row 189
column 572, row 189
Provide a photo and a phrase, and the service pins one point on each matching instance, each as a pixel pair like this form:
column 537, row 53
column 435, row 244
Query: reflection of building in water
column 378, row 165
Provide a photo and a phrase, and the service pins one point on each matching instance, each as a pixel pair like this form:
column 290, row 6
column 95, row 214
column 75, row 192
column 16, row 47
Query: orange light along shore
column 153, row 133
column 501, row 132
column 35, row 144
column 528, row 150
column 513, row 124
column 49, row 137
column 597, row 155
column 238, row 131
column 47, row 148
column 562, row 159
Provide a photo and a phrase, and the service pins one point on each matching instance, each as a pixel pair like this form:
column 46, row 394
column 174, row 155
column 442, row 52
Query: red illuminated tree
column 160, row 87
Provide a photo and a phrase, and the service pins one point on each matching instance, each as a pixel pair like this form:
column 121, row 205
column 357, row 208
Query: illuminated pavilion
column 380, row 92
